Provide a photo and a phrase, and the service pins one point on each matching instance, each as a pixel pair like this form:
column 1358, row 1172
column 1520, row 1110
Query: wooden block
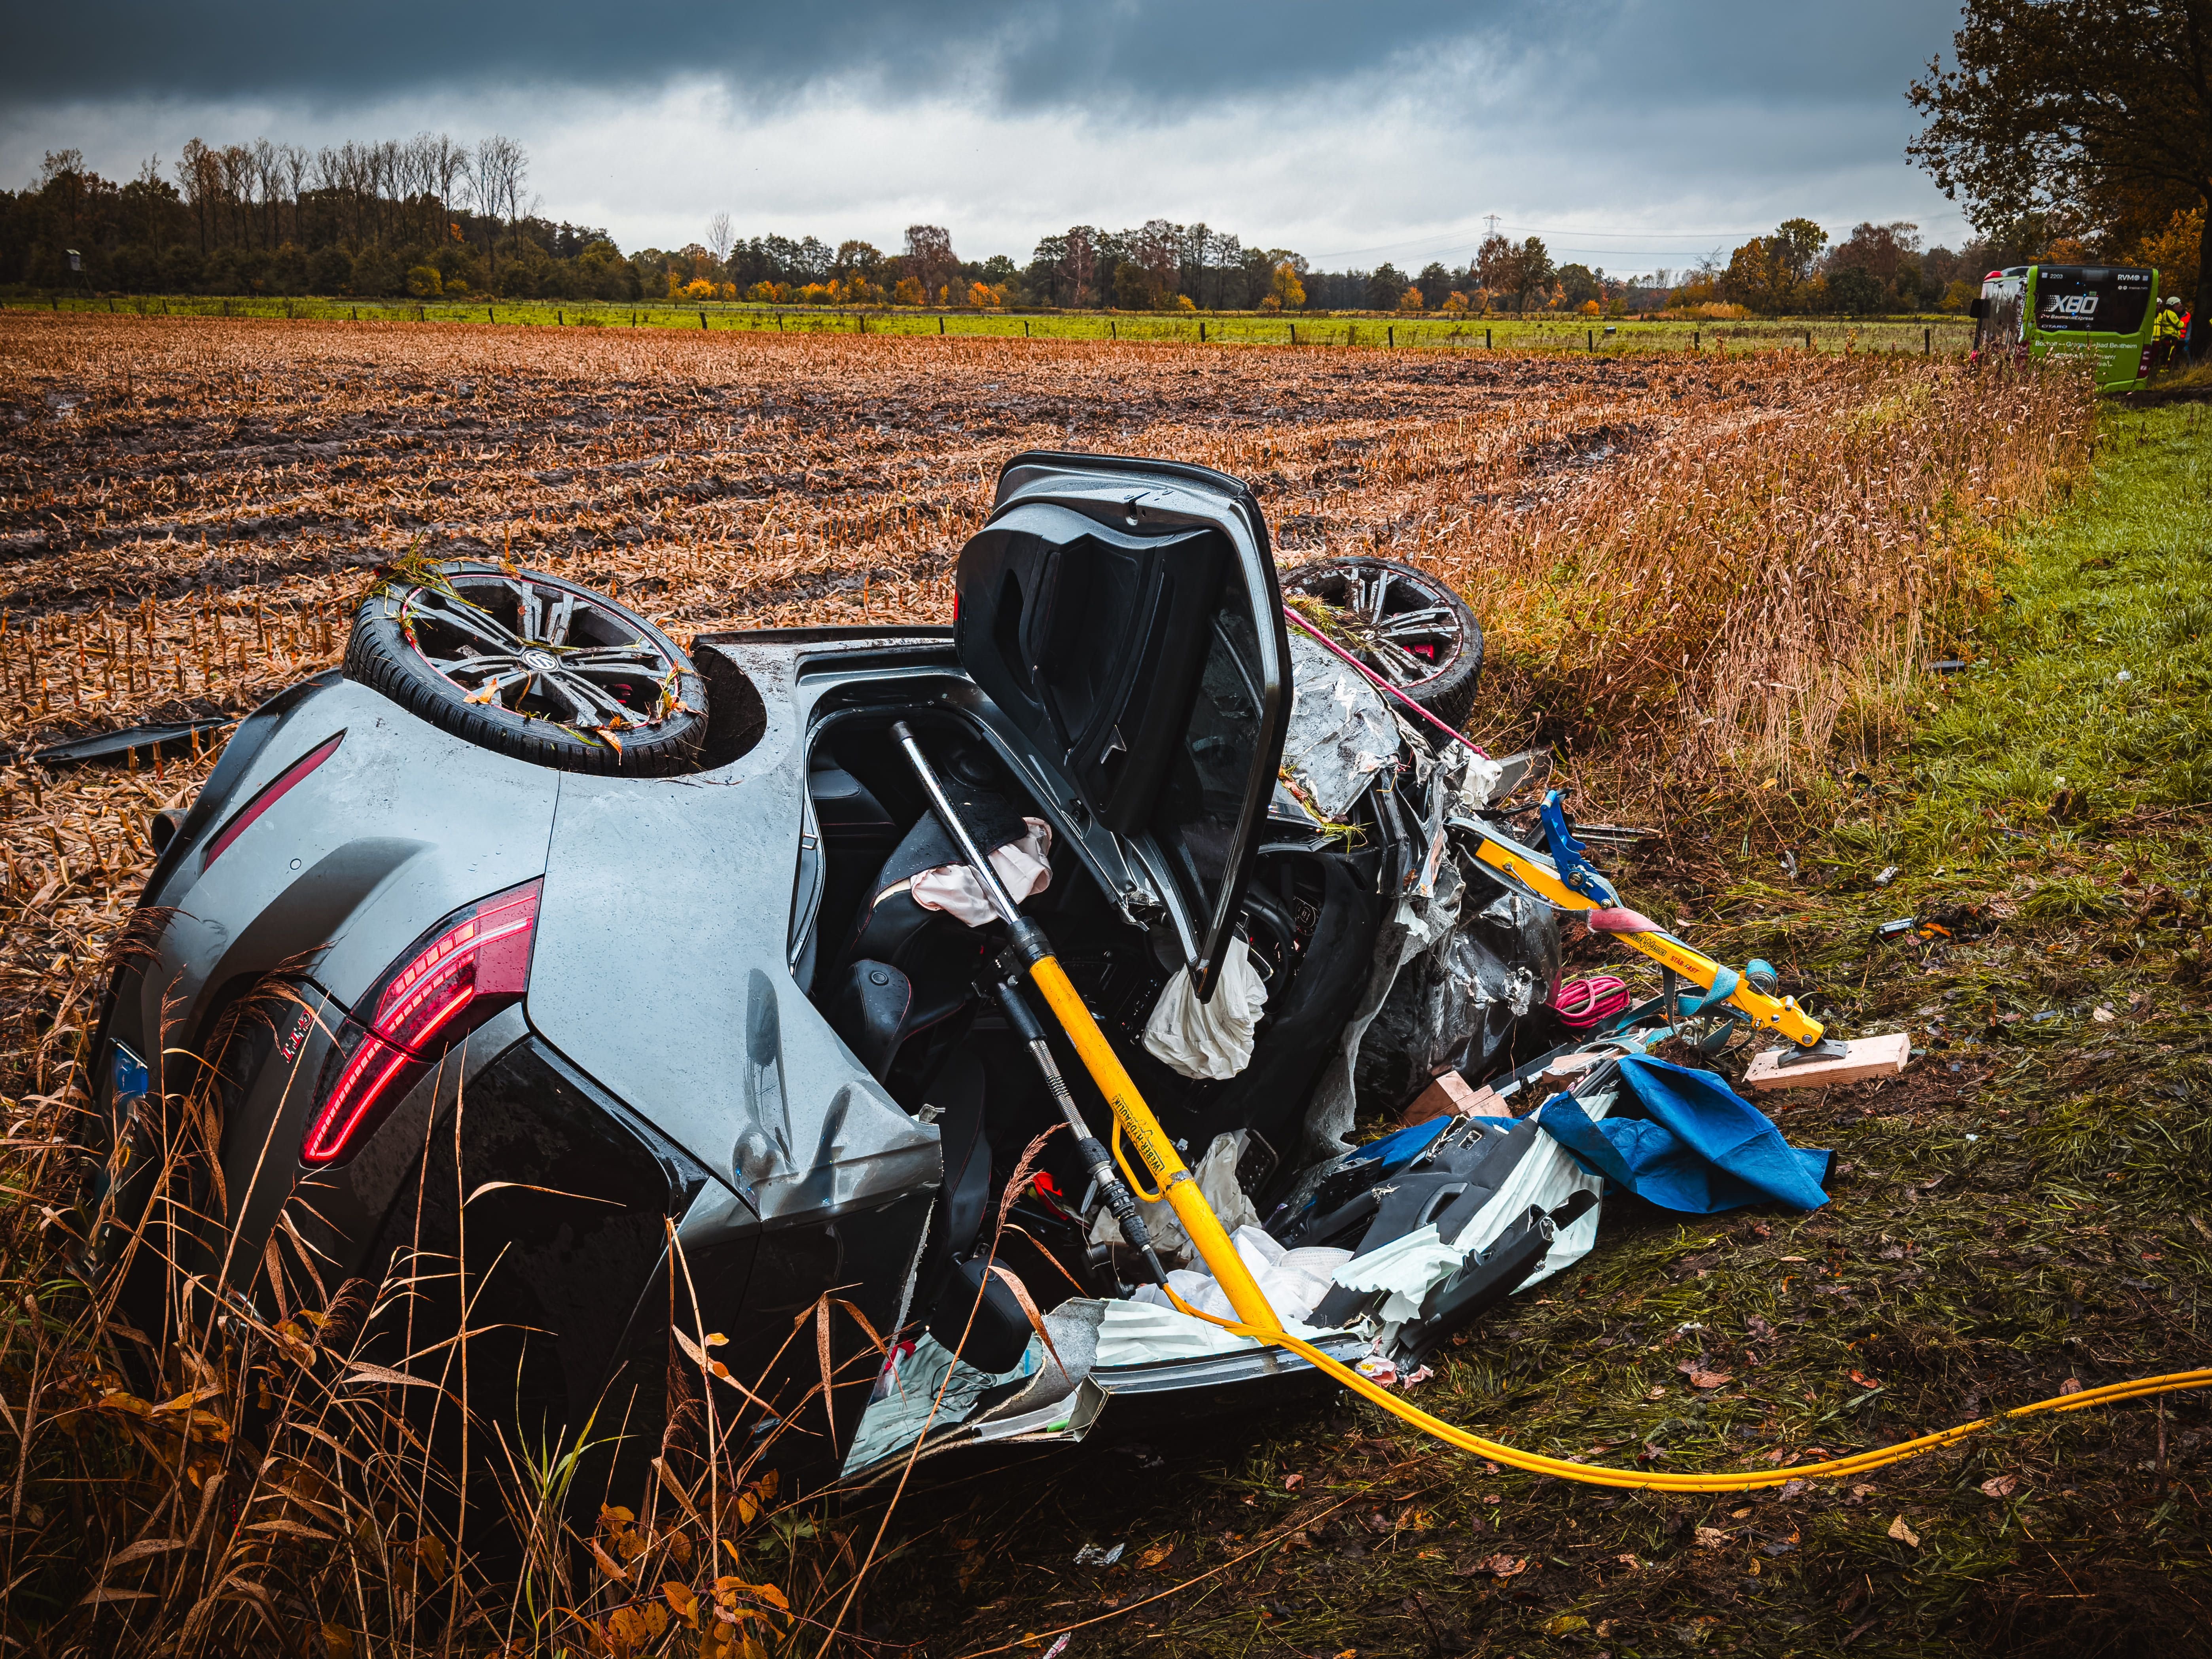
column 1449, row 1094
column 1563, row 1073
column 1863, row 1058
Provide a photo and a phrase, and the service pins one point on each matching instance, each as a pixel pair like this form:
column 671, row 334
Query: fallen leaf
column 1903, row 1533
column 1154, row 1556
column 1292, row 1482
column 1629, row 1562
column 1565, row 1623
column 1711, row 1538
column 2071, row 1385
column 2103, row 1016
column 1501, row 1567
column 1795, row 1488
column 2000, row 1485
column 1710, row 1379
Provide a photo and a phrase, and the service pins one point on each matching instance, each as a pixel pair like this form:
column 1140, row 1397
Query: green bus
column 2100, row 315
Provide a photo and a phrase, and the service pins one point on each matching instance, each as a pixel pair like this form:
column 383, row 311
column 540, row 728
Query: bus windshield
column 2090, row 299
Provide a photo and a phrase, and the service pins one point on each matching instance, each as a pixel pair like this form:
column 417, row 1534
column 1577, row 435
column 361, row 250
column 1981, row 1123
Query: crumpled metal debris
column 1341, row 732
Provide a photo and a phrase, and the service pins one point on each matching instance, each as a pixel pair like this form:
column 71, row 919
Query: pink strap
column 1619, row 919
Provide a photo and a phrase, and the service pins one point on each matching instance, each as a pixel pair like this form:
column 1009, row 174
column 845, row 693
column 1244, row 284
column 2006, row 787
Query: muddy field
column 188, row 508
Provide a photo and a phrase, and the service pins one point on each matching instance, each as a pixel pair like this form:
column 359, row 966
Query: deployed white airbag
column 1209, row 1039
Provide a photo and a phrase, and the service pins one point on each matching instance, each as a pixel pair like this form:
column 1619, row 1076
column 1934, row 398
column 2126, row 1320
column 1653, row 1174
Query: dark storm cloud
column 1149, row 58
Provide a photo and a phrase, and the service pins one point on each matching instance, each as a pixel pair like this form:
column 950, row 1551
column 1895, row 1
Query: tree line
column 431, row 217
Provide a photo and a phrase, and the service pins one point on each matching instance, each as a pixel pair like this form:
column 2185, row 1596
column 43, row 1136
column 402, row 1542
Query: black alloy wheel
column 1403, row 624
column 530, row 665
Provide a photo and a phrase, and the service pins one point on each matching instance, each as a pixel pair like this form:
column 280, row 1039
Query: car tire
column 493, row 656
column 1406, row 625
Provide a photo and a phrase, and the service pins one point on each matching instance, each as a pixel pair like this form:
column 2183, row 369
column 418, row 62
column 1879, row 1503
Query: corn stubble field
column 1711, row 582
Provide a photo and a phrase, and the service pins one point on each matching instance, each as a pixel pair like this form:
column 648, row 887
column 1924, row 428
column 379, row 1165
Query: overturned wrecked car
column 637, row 1000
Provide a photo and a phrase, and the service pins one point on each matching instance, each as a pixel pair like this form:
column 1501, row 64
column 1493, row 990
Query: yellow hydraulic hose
column 1734, row 1480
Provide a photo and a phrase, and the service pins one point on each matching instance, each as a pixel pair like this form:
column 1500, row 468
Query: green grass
column 2031, row 1204
column 1948, row 335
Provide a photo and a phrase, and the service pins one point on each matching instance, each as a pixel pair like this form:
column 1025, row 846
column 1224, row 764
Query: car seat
column 907, row 971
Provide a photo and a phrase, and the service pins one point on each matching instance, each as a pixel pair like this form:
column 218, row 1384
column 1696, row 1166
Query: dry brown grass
column 1697, row 575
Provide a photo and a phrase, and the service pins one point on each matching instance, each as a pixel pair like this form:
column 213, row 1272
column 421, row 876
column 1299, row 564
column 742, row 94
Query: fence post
column 491, row 314
column 1809, row 339
column 1390, row 334
column 940, row 327
column 1201, row 330
column 1927, row 341
column 1294, row 333
column 1696, row 339
column 1591, row 334
column 1112, row 328
column 1486, row 339
column 702, row 322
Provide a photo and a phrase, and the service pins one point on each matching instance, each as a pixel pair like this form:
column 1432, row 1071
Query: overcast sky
column 1630, row 134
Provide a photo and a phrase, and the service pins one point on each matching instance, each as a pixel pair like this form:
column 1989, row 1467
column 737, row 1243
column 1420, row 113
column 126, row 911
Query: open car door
column 1125, row 615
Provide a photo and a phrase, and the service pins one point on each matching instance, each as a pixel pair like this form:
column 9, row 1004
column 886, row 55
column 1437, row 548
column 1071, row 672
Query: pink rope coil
column 1582, row 1003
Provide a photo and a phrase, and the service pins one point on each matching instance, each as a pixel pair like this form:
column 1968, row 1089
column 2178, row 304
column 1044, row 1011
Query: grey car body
column 672, row 1124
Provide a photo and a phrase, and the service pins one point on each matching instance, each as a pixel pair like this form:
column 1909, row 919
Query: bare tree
column 501, row 167
column 294, row 160
column 721, row 235
column 1080, row 263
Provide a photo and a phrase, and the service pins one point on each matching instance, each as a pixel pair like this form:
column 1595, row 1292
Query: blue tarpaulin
column 1699, row 1148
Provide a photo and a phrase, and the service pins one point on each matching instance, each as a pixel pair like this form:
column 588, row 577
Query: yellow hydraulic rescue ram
column 1581, row 889
column 1543, row 879
column 1131, row 1115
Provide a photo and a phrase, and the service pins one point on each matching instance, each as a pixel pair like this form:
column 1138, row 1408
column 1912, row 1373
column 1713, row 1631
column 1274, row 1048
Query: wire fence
column 1927, row 335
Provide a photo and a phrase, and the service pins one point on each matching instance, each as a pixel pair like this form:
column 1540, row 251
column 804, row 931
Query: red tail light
column 472, row 964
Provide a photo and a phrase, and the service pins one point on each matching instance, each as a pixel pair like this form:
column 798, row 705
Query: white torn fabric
column 1141, row 1332
column 1292, row 1280
column 953, row 887
column 1209, row 1039
column 1216, row 1175
column 1144, row 1332
column 1407, row 1267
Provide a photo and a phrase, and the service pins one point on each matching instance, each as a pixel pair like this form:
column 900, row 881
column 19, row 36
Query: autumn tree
column 930, row 260
column 1774, row 274
column 1284, row 288
column 2096, row 113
